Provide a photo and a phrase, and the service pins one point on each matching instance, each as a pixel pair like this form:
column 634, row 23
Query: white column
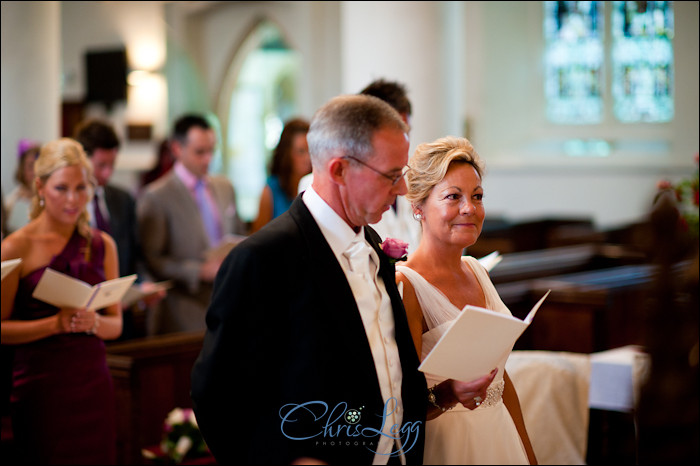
column 398, row 41
column 31, row 70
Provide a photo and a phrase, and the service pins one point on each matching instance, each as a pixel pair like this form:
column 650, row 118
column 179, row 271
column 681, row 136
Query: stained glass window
column 574, row 61
column 642, row 58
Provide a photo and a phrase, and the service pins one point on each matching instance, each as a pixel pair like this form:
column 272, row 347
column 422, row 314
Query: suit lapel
column 318, row 251
column 330, row 279
column 387, row 270
column 112, row 206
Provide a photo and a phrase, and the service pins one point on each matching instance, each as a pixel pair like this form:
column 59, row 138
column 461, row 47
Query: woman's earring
column 41, row 202
column 418, row 216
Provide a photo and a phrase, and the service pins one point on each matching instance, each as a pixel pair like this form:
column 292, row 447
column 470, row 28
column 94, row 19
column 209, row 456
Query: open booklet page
column 62, row 290
column 9, row 265
column 139, row 291
column 475, row 342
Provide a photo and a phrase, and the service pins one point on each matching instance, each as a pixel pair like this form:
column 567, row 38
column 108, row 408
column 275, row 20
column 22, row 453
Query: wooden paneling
column 586, row 311
column 151, row 377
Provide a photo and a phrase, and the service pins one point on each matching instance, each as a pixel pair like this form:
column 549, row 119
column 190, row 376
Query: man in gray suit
column 181, row 216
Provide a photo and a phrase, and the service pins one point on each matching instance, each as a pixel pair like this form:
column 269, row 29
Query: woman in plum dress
column 62, row 403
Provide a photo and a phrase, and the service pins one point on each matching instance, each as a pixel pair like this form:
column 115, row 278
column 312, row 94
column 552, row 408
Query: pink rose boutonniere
column 395, row 249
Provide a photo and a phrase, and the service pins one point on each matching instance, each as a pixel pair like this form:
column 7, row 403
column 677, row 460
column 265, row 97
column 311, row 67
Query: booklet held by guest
column 475, row 342
column 8, row 266
column 138, row 291
column 62, row 290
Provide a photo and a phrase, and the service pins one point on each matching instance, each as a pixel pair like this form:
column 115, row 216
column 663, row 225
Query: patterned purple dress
column 62, row 402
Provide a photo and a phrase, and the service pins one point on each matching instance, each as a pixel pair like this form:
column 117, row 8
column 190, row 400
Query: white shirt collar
column 336, row 231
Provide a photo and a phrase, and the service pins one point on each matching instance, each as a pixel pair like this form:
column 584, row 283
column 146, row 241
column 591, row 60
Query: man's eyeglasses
column 394, row 178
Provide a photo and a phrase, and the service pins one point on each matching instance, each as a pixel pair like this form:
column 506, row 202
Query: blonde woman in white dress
column 445, row 191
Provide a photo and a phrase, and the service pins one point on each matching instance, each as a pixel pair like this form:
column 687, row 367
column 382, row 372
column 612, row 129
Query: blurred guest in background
column 290, row 162
column 19, row 200
column 62, row 402
column 398, row 221
column 163, row 164
column 113, row 210
column 182, row 216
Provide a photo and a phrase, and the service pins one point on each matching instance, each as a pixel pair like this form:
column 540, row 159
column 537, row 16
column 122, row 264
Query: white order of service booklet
column 62, row 290
column 475, row 342
column 139, row 291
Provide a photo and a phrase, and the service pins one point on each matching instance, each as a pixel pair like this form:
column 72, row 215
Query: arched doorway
column 259, row 94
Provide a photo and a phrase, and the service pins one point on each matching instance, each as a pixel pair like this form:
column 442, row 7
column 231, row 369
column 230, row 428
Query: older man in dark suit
column 308, row 354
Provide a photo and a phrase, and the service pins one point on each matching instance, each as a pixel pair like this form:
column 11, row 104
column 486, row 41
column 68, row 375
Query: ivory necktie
column 358, row 256
column 100, row 220
column 361, row 278
column 210, row 225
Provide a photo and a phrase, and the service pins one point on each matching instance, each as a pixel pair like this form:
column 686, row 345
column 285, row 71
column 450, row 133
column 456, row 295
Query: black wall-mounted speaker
column 106, row 72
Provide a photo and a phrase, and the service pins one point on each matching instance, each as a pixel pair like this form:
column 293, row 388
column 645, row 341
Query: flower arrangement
column 181, row 436
column 395, row 249
column 686, row 196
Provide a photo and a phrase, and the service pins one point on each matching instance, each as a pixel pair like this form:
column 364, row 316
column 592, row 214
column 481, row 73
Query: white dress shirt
column 378, row 320
column 398, row 223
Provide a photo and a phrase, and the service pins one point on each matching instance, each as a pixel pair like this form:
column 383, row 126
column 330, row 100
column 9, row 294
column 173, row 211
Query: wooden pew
column 566, row 259
column 502, row 235
column 151, row 377
column 586, row 311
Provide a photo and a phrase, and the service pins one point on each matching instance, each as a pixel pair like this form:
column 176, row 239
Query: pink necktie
column 205, row 208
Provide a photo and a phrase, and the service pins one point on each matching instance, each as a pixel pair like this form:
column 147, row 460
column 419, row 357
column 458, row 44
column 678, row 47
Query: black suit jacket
column 122, row 223
column 123, row 229
column 285, row 338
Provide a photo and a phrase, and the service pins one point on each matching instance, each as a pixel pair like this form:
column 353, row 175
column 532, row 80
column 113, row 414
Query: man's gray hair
column 345, row 125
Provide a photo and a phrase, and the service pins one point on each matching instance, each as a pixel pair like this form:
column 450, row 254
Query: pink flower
column 396, row 249
column 663, row 184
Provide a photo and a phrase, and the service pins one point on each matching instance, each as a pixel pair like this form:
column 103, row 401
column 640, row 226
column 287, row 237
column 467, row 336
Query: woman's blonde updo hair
column 57, row 154
column 431, row 161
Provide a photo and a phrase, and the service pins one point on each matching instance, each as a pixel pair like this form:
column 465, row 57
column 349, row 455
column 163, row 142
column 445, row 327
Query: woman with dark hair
column 290, row 162
column 164, row 163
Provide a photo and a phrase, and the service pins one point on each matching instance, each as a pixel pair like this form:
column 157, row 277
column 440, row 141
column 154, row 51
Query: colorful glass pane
column 642, row 58
column 574, row 60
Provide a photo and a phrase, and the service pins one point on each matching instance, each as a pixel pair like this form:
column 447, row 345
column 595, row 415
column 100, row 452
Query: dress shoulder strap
column 436, row 307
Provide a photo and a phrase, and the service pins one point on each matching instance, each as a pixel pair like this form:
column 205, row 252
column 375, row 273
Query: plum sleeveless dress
column 62, row 402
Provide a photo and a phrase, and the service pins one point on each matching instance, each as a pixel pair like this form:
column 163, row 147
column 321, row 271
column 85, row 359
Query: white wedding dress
column 487, row 434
